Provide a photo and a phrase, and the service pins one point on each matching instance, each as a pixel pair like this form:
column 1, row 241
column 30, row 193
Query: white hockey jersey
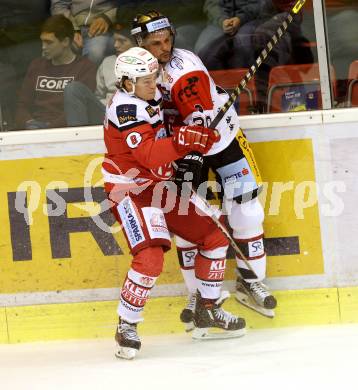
column 190, row 96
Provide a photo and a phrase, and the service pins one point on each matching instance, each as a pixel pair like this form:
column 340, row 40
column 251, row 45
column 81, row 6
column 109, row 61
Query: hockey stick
column 211, row 213
column 259, row 60
column 252, row 70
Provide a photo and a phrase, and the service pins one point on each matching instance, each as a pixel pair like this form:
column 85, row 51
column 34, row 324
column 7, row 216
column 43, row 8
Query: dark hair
column 60, row 26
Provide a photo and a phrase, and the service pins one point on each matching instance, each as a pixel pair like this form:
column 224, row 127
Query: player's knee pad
column 245, row 218
column 149, row 261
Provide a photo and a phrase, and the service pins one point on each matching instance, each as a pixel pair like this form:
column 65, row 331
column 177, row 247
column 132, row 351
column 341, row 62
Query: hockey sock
column 210, row 275
column 254, row 252
column 134, row 295
column 186, row 258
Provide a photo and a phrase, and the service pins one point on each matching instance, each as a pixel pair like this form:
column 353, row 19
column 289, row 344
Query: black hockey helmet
column 150, row 22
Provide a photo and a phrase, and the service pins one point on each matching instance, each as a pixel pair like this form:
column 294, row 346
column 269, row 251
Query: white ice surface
column 291, row 358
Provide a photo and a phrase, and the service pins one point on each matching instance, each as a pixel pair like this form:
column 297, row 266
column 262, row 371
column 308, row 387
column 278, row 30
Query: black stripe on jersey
column 154, row 102
column 128, row 127
column 156, row 124
column 113, row 124
column 220, row 90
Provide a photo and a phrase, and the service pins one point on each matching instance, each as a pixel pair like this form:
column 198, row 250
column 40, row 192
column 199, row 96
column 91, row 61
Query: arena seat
column 352, row 98
column 229, row 80
column 295, row 88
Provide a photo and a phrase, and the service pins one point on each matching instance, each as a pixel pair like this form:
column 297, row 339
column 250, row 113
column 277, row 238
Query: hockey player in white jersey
column 190, row 96
column 137, row 163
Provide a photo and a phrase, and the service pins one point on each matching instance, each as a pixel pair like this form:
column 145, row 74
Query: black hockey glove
column 189, row 170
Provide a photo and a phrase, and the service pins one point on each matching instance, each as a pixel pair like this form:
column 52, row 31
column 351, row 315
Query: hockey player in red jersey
column 191, row 97
column 137, row 171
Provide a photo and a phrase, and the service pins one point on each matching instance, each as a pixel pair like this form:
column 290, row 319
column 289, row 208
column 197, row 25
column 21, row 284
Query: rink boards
column 65, row 269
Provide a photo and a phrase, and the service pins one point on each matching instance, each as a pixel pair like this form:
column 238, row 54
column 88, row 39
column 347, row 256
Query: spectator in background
column 92, row 20
column 40, row 103
column 237, row 32
column 226, row 41
column 342, row 28
column 186, row 14
column 20, row 23
column 290, row 50
column 82, row 106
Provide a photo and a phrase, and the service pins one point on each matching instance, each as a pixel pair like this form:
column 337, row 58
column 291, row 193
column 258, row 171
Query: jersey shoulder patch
column 152, row 111
column 133, row 139
column 126, row 113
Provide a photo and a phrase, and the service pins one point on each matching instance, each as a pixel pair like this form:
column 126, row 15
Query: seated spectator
column 20, row 23
column 226, row 41
column 7, row 96
column 92, row 20
column 342, row 29
column 290, row 49
column 82, row 106
column 186, row 14
column 40, row 103
column 238, row 30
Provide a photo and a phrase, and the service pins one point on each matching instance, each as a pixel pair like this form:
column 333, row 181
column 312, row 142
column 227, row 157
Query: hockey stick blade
column 259, row 60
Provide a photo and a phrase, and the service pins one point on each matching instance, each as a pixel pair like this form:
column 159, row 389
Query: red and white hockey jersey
column 191, row 97
column 138, row 150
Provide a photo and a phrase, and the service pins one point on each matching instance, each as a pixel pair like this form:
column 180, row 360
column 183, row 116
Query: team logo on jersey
column 189, row 90
column 152, row 111
column 52, row 84
column 126, row 113
column 177, row 62
column 133, row 139
column 158, row 223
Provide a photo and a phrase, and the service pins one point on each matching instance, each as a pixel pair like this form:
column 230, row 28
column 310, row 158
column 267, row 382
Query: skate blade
column 216, row 333
column 189, row 326
column 126, row 353
column 248, row 302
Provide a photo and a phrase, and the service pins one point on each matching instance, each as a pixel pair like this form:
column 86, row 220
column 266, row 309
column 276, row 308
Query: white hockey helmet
column 135, row 62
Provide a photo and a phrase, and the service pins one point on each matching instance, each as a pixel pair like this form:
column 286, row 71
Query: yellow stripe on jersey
column 249, row 155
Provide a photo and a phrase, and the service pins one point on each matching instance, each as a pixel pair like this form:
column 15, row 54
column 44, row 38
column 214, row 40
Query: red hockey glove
column 194, row 139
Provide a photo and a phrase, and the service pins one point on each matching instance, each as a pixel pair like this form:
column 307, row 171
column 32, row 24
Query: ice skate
column 256, row 296
column 213, row 322
column 187, row 314
column 127, row 339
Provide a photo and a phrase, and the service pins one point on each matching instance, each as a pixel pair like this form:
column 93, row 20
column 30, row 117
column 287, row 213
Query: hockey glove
column 189, row 170
column 194, row 139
